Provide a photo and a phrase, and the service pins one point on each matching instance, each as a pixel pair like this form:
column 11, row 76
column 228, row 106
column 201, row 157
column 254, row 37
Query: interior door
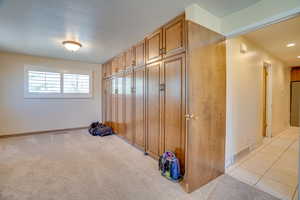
column 174, row 107
column 154, row 47
column 114, row 104
column 264, row 109
column 129, row 128
column 295, row 103
column 139, row 104
column 153, row 109
column 174, row 36
column 206, row 109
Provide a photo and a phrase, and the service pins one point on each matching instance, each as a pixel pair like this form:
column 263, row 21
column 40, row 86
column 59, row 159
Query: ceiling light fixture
column 290, row 44
column 72, row 45
column 298, row 56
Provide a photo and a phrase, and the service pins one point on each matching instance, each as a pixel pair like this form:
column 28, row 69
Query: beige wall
column 245, row 95
column 19, row 115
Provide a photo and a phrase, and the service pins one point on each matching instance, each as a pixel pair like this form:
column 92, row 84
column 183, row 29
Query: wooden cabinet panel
column 154, row 46
column 139, row 104
column 174, row 36
column 114, row 105
column 174, row 106
column 153, row 109
column 128, row 93
column 104, row 74
column 295, row 74
column 108, row 68
column 114, row 65
column 107, row 102
column 129, row 58
column 140, row 54
column 121, row 62
column 120, row 105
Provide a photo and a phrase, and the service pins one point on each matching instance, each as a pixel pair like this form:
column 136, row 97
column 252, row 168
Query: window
column 48, row 83
column 43, row 82
column 76, row 83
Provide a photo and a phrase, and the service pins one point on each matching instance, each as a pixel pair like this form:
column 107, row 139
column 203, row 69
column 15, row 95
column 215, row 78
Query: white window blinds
column 76, row 83
column 43, row 82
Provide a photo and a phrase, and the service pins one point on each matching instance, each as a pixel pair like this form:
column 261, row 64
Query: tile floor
column 273, row 167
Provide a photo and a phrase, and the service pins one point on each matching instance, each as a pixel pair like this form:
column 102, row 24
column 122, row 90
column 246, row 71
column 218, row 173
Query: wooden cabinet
column 154, row 46
column 158, row 102
column 128, row 96
column 140, row 54
column 173, row 106
column 174, row 37
column 153, row 109
column 129, row 58
column 139, row 105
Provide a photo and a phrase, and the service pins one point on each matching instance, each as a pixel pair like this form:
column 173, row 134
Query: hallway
column 273, row 167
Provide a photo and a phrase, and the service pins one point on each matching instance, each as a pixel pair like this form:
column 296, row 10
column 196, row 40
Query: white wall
column 19, row 115
column 244, row 95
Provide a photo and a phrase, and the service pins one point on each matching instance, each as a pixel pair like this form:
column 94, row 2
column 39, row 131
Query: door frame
column 268, row 66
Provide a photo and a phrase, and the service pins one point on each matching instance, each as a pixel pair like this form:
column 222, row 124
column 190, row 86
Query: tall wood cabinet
column 167, row 93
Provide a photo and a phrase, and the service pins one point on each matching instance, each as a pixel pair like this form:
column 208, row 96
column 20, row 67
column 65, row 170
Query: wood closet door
column 129, row 58
column 120, row 105
column 140, row 54
column 114, row 65
column 154, row 46
column 139, row 104
column 129, row 126
column 114, row 104
column 174, row 36
column 107, row 102
column 153, row 109
column 173, row 121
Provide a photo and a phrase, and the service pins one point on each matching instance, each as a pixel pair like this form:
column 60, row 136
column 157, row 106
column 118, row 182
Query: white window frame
column 60, row 95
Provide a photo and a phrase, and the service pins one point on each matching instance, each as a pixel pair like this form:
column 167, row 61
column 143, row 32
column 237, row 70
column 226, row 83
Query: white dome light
column 71, row 45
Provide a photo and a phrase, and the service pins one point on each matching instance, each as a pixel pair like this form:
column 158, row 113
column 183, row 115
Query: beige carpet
column 76, row 166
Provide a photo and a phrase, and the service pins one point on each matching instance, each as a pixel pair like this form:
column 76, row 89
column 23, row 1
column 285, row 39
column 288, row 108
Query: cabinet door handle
column 190, row 117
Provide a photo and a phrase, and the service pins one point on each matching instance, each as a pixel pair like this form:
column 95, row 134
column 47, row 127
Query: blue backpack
column 169, row 166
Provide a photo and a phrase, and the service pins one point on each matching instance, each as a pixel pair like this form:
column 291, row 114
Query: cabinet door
column 140, row 54
column 114, row 105
column 104, row 73
column 129, row 58
column 128, row 93
column 139, row 102
column 121, row 62
column 154, row 46
column 107, row 102
column 153, row 109
column 114, row 65
column 120, row 105
column 108, row 68
column 174, row 106
column 174, row 36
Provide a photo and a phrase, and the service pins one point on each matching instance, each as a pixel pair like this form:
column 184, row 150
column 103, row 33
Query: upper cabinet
column 129, row 58
column 166, row 41
column 106, row 69
column 154, row 46
column 174, row 37
column 140, row 54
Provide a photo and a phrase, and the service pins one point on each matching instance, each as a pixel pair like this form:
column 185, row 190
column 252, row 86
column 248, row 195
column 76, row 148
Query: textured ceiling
column 274, row 39
column 104, row 27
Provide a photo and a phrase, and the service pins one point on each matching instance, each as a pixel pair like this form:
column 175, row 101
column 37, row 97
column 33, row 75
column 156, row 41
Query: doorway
column 295, row 105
